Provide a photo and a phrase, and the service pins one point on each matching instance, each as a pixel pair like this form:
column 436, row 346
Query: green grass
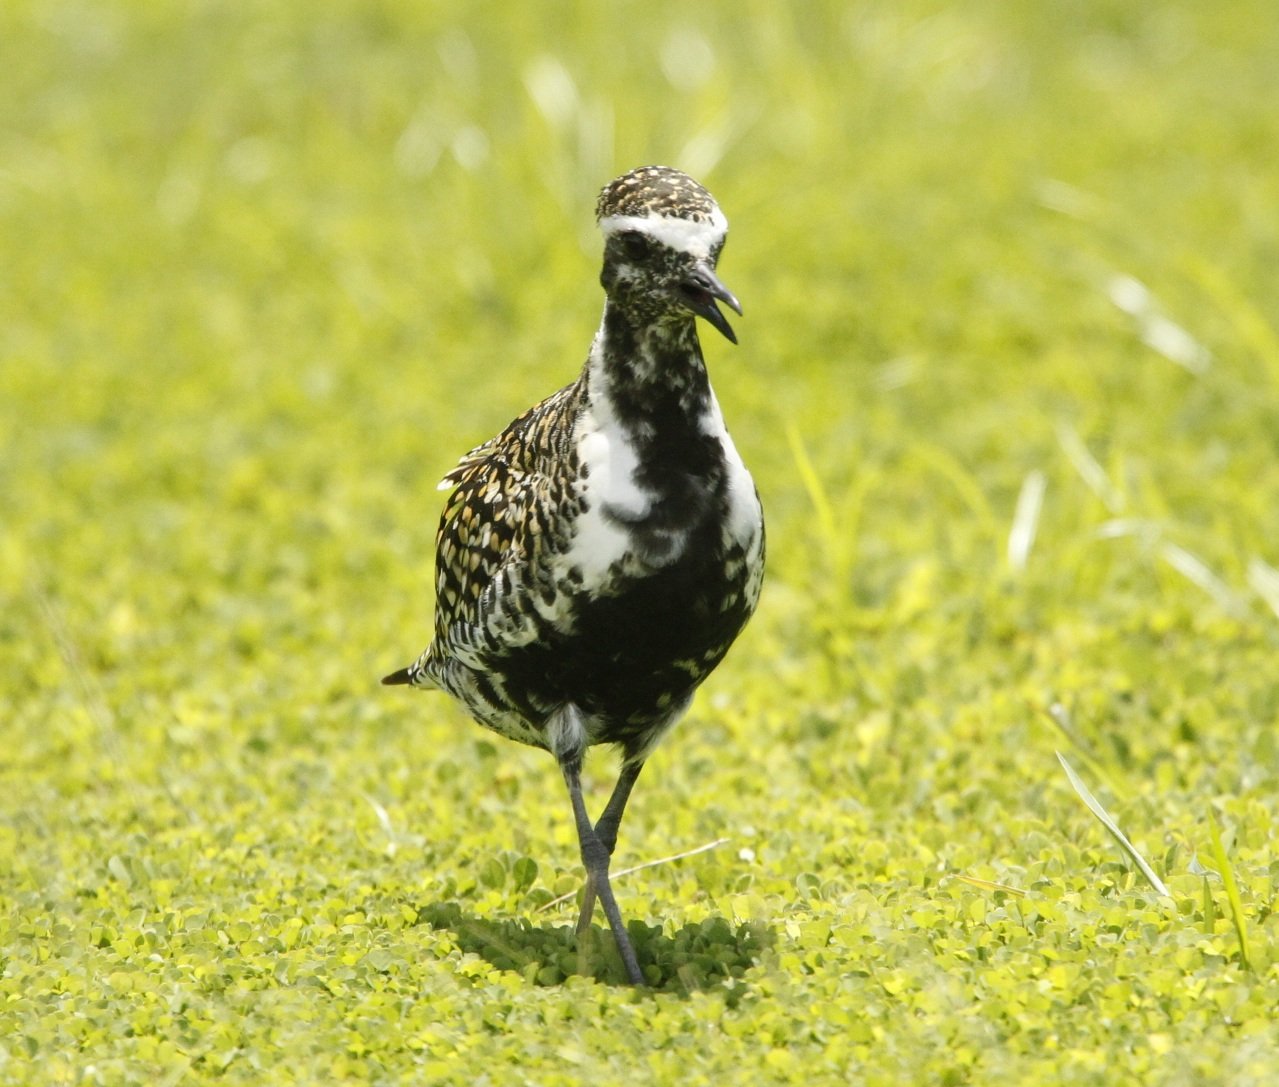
column 1009, row 383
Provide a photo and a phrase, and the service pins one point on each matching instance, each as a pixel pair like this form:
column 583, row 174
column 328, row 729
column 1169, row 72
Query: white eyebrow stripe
column 684, row 235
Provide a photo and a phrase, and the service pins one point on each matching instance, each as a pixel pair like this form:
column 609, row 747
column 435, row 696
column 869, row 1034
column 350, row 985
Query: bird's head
column 663, row 234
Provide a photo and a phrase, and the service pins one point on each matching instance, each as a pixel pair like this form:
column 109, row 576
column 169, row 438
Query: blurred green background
column 1009, row 384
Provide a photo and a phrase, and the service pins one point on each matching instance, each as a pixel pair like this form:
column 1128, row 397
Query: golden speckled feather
column 505, row 493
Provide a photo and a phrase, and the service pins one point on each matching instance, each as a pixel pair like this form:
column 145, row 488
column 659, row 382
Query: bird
column 597, row 558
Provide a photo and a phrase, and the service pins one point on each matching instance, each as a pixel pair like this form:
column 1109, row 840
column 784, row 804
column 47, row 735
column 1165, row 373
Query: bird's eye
column 634, row 244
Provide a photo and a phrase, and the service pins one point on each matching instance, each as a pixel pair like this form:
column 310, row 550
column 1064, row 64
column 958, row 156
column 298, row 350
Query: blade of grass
column 1254, row 330
column 950, row 468
column 1232, row 890
column 384, row 821
column 1263, row 579
column 1210, row 908
column 991, row 885
column 1195, row 570
column 1094, row 806
column 816, row 491
column 1156, row 329
column 1030, row 502
column 639, row 868
column 839, row 536
column 1089, row 468
column 1060, row 716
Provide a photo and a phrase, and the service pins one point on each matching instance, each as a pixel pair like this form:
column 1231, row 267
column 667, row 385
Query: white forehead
column 698, row 239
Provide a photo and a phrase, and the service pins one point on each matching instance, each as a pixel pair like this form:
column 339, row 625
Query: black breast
column 634, row 651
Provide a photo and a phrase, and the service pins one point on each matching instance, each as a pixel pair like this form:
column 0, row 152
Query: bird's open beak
column 699, row 291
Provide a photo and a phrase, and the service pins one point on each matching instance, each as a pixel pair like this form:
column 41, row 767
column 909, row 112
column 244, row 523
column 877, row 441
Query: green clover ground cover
column 1009, row 382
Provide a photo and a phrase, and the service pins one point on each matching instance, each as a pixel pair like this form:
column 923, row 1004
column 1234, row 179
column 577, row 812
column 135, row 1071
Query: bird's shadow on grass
column 706, row 955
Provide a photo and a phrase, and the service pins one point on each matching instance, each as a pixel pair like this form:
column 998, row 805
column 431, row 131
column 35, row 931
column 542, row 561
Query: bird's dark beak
column 699, row 291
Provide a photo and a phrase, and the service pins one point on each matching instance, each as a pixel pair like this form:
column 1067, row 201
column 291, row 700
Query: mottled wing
column 530, row 441
column 507, row 492
column 477, row 538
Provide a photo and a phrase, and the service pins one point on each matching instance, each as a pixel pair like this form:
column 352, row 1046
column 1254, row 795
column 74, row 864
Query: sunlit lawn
column 1008, row 380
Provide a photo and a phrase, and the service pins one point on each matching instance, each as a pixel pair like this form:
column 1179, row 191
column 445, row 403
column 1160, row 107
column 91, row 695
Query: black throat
column 654, row 381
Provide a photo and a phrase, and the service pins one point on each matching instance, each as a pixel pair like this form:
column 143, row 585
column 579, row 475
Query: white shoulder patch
column 609, row 463
column 744, row 512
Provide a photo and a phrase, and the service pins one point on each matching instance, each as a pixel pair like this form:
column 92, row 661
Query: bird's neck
column 649, row 377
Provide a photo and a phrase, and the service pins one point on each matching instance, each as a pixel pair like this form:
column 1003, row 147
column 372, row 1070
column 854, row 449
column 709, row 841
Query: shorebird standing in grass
column 598, row 557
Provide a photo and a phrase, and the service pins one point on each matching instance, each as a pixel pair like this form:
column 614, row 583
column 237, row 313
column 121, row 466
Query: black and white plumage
column 597, row 558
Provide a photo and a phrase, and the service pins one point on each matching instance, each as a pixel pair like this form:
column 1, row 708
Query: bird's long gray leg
column 595, row 858
column 606, row 831
column 568, row 743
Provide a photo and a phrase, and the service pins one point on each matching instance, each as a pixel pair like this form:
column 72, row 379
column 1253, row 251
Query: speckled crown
column 656, row 190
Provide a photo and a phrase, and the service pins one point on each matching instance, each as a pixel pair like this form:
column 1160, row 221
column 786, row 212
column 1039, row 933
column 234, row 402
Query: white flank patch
column 683, row 235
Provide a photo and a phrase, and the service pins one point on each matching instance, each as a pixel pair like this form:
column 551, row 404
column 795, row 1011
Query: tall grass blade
column 1060, row 716
column 1210, row 908
column 1249, row 321
column 950, row 468
column 1094, row 806
column 839, row 548
column 813, row 485
column 1030, row 502
column 1196, row 571
column 1157, row 330
column 1089, row 468
column 1263, row 579
column 1232, row 890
